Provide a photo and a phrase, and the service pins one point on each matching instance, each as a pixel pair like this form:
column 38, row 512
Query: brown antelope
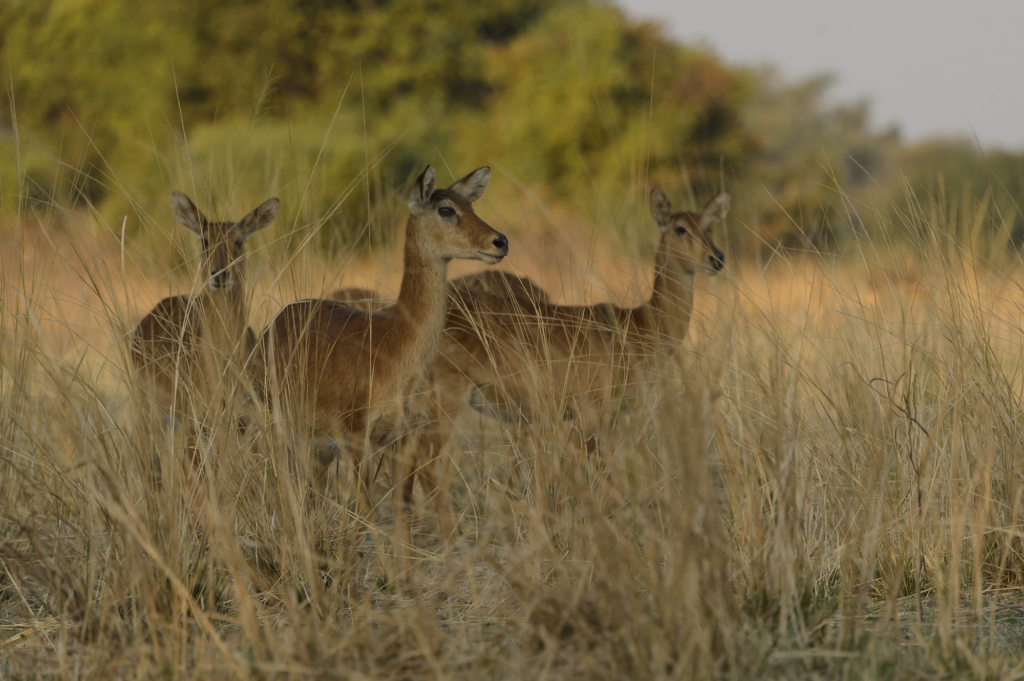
column 498, row 353
column 423, row 409
column 190, row 351
column 346, row 375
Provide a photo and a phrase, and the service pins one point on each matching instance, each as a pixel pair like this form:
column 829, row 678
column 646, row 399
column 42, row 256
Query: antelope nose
column 717, row 260
column 501, row 243
column 218, row 276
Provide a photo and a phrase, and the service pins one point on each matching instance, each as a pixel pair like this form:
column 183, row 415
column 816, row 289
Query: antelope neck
column 225, row 313
column 420, row 311
column 671, row 301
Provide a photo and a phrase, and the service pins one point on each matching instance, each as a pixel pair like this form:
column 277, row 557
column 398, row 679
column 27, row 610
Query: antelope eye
column 206, row 243
column 446, row 212
column 239, row 244
column 680, row 231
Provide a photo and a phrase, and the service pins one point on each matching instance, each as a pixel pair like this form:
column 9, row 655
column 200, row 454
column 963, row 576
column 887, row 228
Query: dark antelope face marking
column 687, row 235
column 223, row 242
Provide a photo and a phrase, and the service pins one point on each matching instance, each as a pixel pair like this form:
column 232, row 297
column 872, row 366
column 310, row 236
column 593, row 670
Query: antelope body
column 423, row 412
column 501, row 354
column 346, row 375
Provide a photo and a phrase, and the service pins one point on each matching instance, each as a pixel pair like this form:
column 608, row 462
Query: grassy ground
column 829, row 485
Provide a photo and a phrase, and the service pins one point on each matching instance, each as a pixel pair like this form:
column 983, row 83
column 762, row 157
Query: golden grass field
column 830, row 484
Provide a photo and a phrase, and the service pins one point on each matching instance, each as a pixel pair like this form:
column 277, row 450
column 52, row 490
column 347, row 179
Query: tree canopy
column 116, row 102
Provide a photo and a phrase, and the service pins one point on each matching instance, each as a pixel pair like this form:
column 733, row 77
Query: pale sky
column 931, row 66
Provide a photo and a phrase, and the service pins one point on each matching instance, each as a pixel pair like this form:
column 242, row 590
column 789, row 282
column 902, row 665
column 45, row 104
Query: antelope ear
column 186, row 214
column 422, row 190
column 472, row 186
column 259, row 217
column 715, row 210
column 661, row 209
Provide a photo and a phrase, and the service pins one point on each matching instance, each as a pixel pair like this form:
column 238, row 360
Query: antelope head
column 223, row 242
column 686, row 236
column 447, row 227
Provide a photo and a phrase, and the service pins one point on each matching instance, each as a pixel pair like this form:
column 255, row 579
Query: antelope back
column 359, row 298
column 498, row 285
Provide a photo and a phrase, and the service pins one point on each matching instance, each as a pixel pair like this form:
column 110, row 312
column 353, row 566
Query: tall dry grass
column 828, row 484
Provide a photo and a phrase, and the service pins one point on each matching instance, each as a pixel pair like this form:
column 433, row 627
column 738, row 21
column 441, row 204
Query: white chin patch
column 489, row 258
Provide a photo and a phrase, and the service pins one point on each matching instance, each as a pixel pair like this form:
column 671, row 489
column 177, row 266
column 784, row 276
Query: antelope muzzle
column 716, row 260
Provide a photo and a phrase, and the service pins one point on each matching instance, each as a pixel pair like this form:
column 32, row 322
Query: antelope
column 346, row 375
column 496, row 349
column 190, row 350
column 423, row 409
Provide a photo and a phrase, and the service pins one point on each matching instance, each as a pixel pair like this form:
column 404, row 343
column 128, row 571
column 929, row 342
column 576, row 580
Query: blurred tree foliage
column 117, row 102
column 948, row 175
column 812, row 155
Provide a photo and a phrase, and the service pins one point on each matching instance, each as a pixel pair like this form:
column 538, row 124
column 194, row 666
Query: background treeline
column 334, row 104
